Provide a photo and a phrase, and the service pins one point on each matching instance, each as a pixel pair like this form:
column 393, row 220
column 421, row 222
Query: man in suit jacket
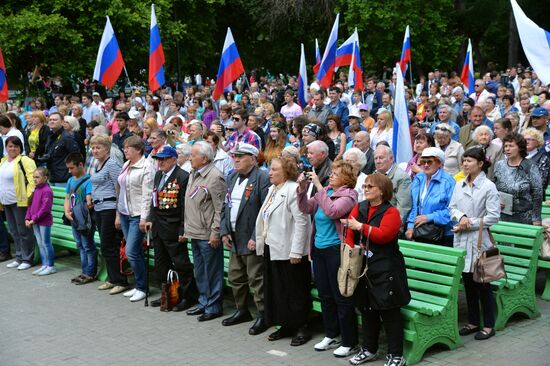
column 166, row 222
column 203, row 205
column 362, row 142
column 383, row 158
column 246, row 191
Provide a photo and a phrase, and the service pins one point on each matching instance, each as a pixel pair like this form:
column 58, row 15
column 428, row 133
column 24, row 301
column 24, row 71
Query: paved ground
column 48, row 321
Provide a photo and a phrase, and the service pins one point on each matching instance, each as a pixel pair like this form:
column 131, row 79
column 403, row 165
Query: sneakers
column 394, row 361
column 106, row 286
column 24, row 266
column 326, row 344
column 138, row 296
column 129, row 293
column 47, row 271
column 118, row 289
column 343, row 351
column 13, row 264
column 34, row 273
column 363, row 356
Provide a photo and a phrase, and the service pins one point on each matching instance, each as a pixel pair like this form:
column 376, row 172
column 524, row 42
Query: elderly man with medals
column 166, row 223
column 247, row 189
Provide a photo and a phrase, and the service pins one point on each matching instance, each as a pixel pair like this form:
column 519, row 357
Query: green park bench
column 544, row 264
column 434, row 274
column 519, row 244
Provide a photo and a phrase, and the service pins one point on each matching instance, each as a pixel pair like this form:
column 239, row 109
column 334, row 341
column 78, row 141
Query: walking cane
column 148, row 235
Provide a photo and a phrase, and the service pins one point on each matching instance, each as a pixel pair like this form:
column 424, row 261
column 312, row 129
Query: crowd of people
column 281, row 186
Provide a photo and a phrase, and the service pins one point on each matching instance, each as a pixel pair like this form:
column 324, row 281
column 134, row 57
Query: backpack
column 82, row 219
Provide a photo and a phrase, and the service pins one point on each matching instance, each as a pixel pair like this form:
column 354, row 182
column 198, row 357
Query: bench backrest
column 519, row 244
column 433, row 271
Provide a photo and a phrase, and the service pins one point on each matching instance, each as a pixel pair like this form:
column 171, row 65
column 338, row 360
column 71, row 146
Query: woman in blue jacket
column 431, row 192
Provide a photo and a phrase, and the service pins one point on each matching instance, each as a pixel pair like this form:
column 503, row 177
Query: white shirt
column 7, row 187
column 236, row 198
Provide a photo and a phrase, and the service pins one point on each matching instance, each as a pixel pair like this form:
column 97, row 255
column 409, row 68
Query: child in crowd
column 39, row 217
column 79, row 193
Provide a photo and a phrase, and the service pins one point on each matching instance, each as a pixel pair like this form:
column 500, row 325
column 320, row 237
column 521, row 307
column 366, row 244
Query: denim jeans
column 208, row 264
column 44, row 241
column 88, row 252
column 134, row 248
column 4, row 243
column 338, row 311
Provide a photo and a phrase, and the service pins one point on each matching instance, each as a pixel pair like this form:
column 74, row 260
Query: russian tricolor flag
column 328, row 62
column 405, row 52
column 231, row 66
column 345, row 51
column 302, row 80
column 355, row 75
column 535, row 42
column 156, row 55
column 3, row 80
column 317, row 57
column 401, row 146
column 109, row 63
column 467, row 76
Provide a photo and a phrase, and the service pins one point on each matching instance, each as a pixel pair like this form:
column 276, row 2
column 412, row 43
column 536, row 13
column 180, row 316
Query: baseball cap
column 243, row 148
column 354, row 115
column 95, row 94
column 434, row 152
column 133, row 114
column 363, row 107
column 539, row 112
column 313, row 129
column 164, row 152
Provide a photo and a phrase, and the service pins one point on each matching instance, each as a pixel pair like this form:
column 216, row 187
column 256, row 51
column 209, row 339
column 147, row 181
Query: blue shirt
column 84, row 189
column 326, row 234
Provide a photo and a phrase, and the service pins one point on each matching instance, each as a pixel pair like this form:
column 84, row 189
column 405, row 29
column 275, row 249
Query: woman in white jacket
column 135, row 184
column 475, row 202
column 282, row 237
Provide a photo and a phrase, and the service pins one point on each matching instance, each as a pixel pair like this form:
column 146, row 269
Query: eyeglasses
column 368, row 186
column 444, row 129
column 427, row 162
column 236, row 119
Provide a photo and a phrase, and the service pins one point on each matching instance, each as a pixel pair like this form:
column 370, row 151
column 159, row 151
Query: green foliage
column 62, row 36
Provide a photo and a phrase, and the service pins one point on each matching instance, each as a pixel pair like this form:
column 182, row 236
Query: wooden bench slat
column 436, row 300
column 516, row 252
column 522, row 242
column 432, row 257
column 436, row 267
column 437, row 278
column 429, row 287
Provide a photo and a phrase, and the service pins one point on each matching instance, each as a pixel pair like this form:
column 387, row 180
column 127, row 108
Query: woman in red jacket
column 374, row 224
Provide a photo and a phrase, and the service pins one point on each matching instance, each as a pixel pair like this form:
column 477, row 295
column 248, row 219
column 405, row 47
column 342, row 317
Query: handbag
column 545, row 246
column 489, row 265
column 428, row 233
column 351, row 262
column 170, row 291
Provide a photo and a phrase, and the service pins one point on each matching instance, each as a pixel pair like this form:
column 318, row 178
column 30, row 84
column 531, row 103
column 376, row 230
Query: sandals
column 482, row 334
column 468, row 329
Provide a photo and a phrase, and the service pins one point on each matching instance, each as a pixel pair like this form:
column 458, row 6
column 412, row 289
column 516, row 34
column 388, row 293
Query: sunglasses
column 236, row 119
column 427, row 162
column 444, row 129
column 368, row 186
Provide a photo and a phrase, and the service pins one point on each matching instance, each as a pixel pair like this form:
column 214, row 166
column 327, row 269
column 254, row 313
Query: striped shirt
column 104, row 182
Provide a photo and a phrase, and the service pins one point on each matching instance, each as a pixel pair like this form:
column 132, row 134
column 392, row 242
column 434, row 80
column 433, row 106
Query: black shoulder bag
column 429, row 233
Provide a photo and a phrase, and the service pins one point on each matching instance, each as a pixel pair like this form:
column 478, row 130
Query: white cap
column 434, row 152
column 134, row 114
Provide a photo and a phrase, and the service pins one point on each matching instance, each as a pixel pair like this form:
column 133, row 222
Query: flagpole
column 127, row 77
column 411, row 74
